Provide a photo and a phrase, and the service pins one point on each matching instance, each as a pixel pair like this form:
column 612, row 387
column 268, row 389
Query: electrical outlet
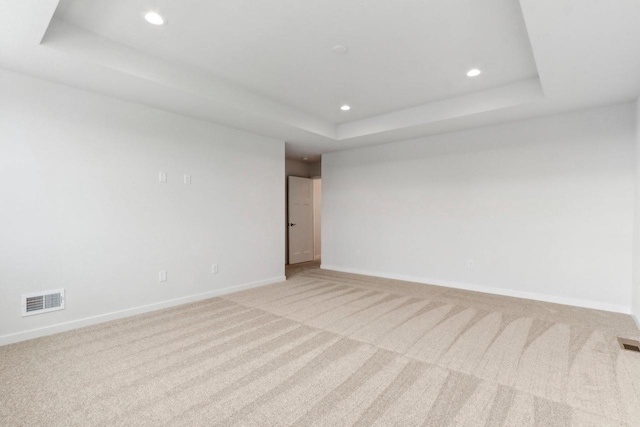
column 470, row 263
column 214, row 269
column 162, row 277
column 187, row 179
column 162, row 177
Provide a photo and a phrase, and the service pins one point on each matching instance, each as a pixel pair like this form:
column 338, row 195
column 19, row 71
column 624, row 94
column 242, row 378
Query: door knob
column 291, row 224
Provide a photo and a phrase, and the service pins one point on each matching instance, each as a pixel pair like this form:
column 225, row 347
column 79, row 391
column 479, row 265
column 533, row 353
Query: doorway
column 300, row 221
column 303, row 213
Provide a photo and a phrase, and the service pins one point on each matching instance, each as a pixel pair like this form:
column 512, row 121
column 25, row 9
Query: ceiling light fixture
column 305, row 158
column 474, row 72
column 154, row 18
column 345, row 108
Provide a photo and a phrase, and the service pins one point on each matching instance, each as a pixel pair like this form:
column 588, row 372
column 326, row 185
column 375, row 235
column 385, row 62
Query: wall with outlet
column 127, row 208
column 541, row 208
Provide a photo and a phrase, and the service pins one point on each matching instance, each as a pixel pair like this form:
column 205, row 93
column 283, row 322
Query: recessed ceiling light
column 154, row 18
column 474, row 72
column 345, row 108
column 305, row 158
column 340, row 49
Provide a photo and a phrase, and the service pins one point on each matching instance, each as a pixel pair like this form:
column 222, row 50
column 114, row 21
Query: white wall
column 317, row 218
column 543, row 207
column 636, row 251
column 82, row 209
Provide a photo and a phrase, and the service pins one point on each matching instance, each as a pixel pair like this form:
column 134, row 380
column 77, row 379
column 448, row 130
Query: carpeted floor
column 332, row 349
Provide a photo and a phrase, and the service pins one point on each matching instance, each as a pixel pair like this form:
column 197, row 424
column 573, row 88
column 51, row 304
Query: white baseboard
column 100, row 318
column 487, row 289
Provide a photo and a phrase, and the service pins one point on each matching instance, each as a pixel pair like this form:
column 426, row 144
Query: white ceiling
column 401, row 53
column 268, row 67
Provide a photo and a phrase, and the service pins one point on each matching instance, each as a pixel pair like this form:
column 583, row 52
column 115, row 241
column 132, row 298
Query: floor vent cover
column 42, row 302
column 627, row 344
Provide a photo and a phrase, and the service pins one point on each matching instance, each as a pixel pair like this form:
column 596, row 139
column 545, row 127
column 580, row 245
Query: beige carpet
column 332, row 349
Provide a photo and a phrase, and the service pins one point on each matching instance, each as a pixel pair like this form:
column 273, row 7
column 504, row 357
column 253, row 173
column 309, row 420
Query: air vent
column 42, row 302
column 627, row 344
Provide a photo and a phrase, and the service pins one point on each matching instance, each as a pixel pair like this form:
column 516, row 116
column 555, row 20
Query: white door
column 300, row 221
